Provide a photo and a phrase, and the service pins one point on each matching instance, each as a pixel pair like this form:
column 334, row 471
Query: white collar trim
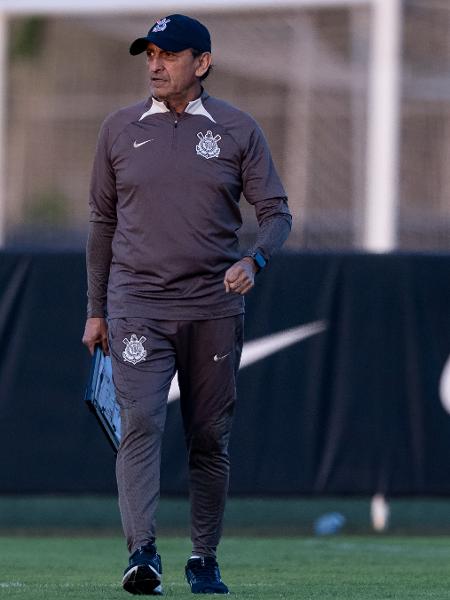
column 196, row 108
column 193, row 108
column 156, row 107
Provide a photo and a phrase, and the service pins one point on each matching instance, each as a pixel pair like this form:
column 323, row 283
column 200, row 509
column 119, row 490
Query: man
column 163, row 260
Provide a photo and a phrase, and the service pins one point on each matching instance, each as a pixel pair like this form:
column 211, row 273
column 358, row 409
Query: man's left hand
column 240, row 277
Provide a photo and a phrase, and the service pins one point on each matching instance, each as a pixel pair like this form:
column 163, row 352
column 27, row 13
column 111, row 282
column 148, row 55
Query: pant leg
column 143, row 367
column 208, row 355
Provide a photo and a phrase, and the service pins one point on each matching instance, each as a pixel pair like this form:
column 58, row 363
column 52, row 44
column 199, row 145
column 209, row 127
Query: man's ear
column 204, row 62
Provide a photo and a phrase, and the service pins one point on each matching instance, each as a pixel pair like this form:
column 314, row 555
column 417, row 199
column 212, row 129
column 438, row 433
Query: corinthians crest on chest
column 207, row 146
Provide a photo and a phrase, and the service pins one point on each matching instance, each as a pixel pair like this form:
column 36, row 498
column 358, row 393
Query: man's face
column 174, row 74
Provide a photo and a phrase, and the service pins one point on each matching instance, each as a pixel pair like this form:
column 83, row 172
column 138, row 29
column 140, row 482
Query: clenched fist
column 240, row 277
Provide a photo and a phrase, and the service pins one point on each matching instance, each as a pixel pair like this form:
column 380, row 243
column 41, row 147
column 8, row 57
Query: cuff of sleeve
column 259, row 259
column 99, row 313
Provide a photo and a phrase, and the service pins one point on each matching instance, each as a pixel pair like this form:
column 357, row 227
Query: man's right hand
column 96, row 332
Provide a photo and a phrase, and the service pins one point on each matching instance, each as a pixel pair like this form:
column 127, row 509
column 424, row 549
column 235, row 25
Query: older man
column 166, row 281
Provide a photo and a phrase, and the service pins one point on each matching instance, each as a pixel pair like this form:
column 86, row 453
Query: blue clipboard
column 101, row 397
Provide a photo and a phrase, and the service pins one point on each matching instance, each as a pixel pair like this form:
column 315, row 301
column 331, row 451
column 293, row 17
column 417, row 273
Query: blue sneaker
column 203, row 576
column 143, row 574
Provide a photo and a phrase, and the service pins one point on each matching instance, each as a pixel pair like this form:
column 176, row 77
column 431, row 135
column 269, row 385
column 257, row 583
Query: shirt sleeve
column 98, row 262
column 102, row 225
column 260, row 179
column 275, row 222
column 263, row 189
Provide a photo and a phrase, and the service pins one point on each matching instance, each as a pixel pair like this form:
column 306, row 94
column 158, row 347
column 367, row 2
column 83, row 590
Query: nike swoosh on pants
column 256, row 350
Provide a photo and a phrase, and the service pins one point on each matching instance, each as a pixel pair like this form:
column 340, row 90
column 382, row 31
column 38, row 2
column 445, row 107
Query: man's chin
column 159, row 91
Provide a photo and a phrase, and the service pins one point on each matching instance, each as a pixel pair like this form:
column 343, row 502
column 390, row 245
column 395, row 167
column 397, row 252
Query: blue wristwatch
column 259, row 259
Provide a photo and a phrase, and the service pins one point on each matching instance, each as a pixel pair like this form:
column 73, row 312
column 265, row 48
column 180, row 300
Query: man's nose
column 155, row 64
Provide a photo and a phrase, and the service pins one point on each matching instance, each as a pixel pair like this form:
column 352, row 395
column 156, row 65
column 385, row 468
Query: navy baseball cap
column 175, row 33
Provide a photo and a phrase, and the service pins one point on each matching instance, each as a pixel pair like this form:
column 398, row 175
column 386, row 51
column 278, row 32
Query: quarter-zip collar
column 156, row 106
column 195, row 107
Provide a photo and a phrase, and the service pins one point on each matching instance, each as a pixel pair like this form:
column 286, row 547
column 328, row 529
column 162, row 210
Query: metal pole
column 380, row 223
column 3, row 101
column 21, row 7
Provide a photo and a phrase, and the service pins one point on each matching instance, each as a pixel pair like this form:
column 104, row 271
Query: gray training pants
column 145, row 354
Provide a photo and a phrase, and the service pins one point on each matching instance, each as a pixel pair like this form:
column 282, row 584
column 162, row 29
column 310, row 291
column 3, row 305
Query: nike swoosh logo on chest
column 138, row 144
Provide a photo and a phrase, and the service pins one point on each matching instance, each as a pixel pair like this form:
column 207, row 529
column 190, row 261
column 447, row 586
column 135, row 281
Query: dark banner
column 344, row 381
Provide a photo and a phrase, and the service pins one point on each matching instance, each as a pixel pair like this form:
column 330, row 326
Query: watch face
column 259, row 260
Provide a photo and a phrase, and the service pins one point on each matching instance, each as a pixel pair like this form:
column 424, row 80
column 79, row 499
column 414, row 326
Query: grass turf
column 34, row 515
column 341, row 567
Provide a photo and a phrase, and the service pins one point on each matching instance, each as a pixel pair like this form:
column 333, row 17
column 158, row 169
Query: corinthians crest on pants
column 207, row 147
column 134, row 350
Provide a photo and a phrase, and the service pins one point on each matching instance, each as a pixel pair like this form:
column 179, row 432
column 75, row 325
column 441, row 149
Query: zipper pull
column 175, row 123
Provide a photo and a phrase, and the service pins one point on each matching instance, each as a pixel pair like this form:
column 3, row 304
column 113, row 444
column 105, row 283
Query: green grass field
column 52, row 548
column 281, row 517
column 342, row 567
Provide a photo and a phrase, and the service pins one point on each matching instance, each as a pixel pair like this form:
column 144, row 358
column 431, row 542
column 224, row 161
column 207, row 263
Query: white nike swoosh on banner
column 137, row 144
column 259, row 349
column 444, row 386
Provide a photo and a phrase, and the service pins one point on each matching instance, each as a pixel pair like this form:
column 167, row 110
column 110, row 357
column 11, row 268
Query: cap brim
column 139, row 46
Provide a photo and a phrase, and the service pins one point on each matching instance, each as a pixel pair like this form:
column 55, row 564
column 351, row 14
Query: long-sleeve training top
column 165, row 213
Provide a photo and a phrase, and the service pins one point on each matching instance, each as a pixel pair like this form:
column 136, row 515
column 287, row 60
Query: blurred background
column 354, row 98
column 303, row 69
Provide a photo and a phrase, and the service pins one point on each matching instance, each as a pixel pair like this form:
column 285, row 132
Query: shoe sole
column 212, row 592
column 207, row 590
column 142, row 580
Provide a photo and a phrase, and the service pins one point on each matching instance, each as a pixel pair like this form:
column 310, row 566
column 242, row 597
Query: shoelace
column 147, row 549
column 204, row 570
